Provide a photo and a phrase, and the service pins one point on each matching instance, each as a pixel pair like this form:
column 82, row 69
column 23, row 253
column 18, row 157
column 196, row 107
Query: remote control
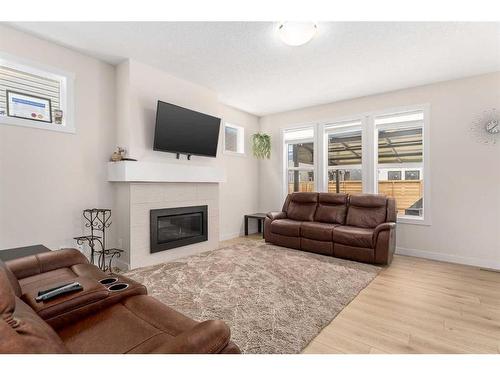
column 59, row 291
column 54, row 288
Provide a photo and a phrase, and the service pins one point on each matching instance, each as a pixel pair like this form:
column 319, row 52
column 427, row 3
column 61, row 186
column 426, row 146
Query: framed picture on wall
column 29, row 107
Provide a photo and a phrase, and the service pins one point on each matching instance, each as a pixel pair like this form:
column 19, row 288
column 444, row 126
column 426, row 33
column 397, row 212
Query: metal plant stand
column 98, row 220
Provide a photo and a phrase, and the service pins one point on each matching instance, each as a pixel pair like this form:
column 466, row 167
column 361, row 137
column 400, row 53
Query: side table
column 260, row 221
column 19, row 252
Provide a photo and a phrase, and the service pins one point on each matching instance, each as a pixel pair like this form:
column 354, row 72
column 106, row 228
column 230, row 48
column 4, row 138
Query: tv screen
column 184, row 131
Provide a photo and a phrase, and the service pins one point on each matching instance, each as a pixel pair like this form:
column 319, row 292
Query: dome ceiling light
column 297, row 33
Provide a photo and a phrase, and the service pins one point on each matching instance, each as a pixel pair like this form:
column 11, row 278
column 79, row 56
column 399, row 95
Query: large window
column 344, row 158
column 382, row 152
column 300, row 157
column 400, row 160
column 20, row 77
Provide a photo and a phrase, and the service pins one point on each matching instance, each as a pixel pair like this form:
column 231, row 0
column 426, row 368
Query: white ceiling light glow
column 297, row 33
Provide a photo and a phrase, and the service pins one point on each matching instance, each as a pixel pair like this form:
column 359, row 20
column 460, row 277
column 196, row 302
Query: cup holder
column 117, row 287
column 108, row 280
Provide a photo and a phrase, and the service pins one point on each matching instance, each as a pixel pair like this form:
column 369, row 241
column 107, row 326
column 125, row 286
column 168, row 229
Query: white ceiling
column 251, row 69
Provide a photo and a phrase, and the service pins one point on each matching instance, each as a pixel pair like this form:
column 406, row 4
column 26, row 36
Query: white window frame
column 425, row 165
column 346, row 125
column 240, row 140
column 67, row 81
column 284, row 154
column 369, row 134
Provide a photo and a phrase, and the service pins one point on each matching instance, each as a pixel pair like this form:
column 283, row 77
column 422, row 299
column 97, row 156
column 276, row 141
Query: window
column 412, row 175
column 234, row 139
column 344, row 157
column 394, row 175
column 299, row 160
column 30, row 79
column 382, row 152
column 400, row 149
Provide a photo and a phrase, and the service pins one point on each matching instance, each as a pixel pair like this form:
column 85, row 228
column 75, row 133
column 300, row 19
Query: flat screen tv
column 183, row 131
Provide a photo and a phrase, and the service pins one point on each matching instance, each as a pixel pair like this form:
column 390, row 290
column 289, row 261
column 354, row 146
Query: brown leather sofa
column 102, row 318
column 358, row 227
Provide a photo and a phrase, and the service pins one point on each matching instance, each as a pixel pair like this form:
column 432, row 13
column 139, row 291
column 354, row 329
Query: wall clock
column 486, row 127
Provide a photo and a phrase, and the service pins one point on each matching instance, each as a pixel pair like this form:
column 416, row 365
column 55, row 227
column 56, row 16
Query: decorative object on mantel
column 119, row 155
column 486, row 127
column 261, row 145
column 98, row 220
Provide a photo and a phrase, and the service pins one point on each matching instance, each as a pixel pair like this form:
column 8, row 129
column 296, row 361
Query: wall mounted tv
column 183, row 131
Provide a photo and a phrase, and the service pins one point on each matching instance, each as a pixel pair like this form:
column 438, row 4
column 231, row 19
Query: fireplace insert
column 176, row 227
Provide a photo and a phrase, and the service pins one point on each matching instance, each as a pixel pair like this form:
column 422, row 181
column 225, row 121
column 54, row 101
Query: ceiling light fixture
column 297, row 33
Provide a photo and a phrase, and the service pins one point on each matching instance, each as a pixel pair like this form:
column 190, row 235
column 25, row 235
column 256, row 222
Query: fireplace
column 176, row 227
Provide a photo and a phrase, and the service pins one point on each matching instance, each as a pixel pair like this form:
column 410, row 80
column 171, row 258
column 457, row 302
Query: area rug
column 276, row 300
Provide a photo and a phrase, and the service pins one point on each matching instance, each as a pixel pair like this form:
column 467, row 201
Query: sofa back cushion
column 302, row 206
column 366, row 210
column 332, row 208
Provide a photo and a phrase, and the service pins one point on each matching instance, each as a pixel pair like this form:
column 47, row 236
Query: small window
column 234, row 139
column 33, row 96
column 394, row 175
column 412, row 175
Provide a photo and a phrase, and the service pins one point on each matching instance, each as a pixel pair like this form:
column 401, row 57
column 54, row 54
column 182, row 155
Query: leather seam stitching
column 142, row 342
column 152, row 325
column 38, row 263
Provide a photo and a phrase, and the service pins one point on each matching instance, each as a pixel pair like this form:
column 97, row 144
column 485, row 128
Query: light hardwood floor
column 417, row 306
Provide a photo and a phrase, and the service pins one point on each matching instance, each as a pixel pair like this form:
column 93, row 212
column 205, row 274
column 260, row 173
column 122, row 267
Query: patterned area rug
column 276, row 300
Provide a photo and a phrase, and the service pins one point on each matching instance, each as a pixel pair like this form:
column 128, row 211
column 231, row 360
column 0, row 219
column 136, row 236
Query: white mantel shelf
column 137, row 171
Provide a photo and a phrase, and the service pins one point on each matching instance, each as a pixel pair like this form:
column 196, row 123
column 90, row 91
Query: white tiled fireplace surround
column 136, row 199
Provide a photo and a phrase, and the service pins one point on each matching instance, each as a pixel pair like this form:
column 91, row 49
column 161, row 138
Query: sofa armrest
column 44, row 262
column 384, row 242
column 276, row 215
column 381, row 227
column 211, row 336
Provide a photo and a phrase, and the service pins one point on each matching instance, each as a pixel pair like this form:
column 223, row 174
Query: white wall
column 239, row 194
column 465, row 175
column 47, row 178
column 140, row 87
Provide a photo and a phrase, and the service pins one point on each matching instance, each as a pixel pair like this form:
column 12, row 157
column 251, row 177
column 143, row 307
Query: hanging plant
column 261, row 145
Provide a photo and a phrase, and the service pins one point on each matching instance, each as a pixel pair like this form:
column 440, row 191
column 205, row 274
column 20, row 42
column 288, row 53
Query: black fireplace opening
column 176, row 227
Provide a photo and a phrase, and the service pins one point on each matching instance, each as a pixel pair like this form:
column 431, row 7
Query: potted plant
column 261, row 145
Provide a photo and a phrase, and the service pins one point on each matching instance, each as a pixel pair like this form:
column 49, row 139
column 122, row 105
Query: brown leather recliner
column 357, row 227
column 96, row 319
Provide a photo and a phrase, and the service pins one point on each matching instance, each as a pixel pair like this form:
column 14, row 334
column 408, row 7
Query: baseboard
column 448, row 258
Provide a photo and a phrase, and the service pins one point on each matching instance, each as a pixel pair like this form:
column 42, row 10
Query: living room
column 255, row 187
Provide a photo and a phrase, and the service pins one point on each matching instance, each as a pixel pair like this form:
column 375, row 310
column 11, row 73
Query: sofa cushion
column 332, row 208
column 302, row 206
column 366, row 210
column 317, row 231
column 353, row 236
column 286, row 227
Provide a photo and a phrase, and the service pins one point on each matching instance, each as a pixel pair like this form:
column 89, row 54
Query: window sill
column 6, row 120
column 413, row 220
